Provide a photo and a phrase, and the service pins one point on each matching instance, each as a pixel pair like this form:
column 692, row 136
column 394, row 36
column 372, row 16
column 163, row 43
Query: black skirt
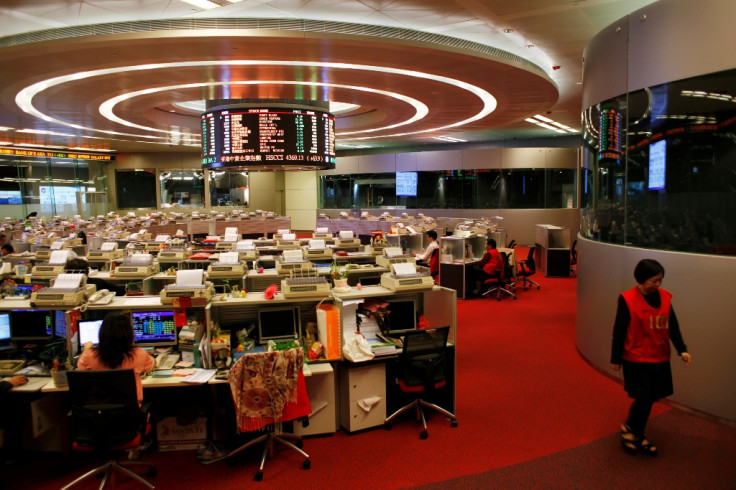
column 648, row 380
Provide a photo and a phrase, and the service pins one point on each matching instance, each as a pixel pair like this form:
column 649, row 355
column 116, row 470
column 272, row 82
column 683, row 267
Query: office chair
column 106, row 418
column 434, row 265
column 527, row 268
column 501, row 279
column 574, row 258
column 268, row 389
column 422, row 369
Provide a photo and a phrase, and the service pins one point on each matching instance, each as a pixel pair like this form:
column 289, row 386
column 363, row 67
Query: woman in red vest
column 645, row 325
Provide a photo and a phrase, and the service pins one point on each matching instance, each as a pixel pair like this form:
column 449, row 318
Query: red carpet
column 530, row 411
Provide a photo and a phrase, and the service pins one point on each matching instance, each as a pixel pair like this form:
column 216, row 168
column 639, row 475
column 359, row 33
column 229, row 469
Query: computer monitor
column 4, row 330
column 89, row 331
column 153, row 328
column 60, row 323
column 277, row 323
column 31, row 324
column 402, row 315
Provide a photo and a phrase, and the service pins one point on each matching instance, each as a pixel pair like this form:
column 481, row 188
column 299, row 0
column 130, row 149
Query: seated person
column 7, row 249
column 115, row 350
column 7, row 384
column 423, row 258
column 79, row 265
column 487, row 267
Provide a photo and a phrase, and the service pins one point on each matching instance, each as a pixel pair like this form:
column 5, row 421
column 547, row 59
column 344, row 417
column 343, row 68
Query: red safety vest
column 648, row 335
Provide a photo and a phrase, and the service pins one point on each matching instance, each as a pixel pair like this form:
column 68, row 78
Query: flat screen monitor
column 406, row 184
column 89, row 331
column 4, row 329
column 31, row 324
column 402, row 315
column 60, row 323
column 153, row 328
column 277, row 323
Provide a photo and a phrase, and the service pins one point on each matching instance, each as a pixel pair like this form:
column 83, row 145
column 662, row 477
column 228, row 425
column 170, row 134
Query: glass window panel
column 229, row 188
column 135, row 188
column 182, row 188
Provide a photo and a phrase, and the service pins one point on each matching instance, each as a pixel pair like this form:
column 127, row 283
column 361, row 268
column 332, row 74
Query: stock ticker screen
column 250, row 137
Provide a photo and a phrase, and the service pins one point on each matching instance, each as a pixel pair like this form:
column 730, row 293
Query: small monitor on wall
column 89, row 331
column 277, row 323
column 406, row 184
column 31, row 324
column 153, row 328
column 657, row 165
column 4, row 329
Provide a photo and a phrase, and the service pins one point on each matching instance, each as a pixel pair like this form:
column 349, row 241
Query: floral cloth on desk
column 262, row 384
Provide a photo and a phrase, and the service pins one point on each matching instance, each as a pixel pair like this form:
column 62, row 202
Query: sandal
column 628, row 439
column 646, row 447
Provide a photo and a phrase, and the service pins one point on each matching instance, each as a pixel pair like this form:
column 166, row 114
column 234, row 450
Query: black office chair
column 527, row 268
column 422, row 369
column 500, row 282
column 106, row 419
column 574, row 258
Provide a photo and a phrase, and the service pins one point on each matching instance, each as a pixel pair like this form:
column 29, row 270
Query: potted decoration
column 339, row 275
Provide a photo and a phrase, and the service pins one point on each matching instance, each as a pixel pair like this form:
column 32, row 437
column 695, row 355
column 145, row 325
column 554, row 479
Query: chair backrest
column 507, row 270
column 434, row 262
column 422, row 361
column 105, row 410
column 531, row 266
column 574, row 252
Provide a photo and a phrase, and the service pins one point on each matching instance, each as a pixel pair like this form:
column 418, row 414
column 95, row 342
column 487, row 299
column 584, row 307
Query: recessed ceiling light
column 508, row 31
column 529, row 46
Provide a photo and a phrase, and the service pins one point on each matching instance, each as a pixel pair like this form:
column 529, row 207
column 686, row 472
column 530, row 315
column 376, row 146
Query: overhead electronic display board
column 268, row 138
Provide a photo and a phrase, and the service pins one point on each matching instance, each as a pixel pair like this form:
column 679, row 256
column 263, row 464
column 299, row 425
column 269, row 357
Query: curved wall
column 666, row 41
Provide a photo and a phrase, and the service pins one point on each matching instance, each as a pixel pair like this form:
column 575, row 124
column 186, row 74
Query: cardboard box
column 174, row 437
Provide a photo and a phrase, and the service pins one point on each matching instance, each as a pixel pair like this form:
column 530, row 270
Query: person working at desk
column 7, row 384
column 431, row 247
column 116, row 350
column 489, row 264
column 7, row 249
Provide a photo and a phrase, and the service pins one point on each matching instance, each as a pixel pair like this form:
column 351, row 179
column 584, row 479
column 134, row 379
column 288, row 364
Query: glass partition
column 229, row 188
column 447, row 189
column 136, row 188
column 182, row 188
column 659, row 167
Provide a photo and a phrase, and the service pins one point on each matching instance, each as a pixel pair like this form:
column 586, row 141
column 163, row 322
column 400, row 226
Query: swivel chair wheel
column 388, row 426
column 498, row 299
column 299, row 443
column 423, row 435
column 306, row 464
column 453, row 423
column 258, row 476
column 152, row 472
column 515, row 298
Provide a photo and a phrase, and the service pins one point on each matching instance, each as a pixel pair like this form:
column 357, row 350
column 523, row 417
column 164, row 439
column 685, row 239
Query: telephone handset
column 167, row 361
column 103, row 296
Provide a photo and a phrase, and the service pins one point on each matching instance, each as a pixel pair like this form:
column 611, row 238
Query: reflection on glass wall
column 229, row 188
column 448, row 189
column 135, row 188
column 182, row 188
column 49, row 187
column 660, row 167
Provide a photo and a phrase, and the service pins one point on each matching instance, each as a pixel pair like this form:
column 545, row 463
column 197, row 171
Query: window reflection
column 182, row 188
column 229, row 188
column 673, row 185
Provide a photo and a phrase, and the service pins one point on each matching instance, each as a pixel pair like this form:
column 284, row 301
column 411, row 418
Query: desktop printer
column 294, row 287
column 227, row 267
column 108, row 251
column 404, row 277
column 189, row 284
column 53, row 267
column 346, row 239
column 43, row 254
column 292, row 262
column 67, row 290
column 317, row 250
column 394, row 255
column 246, row 250
column 137, row 266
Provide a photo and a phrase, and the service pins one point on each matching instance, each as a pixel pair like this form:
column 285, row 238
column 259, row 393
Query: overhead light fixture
column 548, row 123
column 508, row 31
column 210, row 4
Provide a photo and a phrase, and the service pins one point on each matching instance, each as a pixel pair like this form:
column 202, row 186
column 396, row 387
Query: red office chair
column 268, row 388
column 500, row 282
column 107, row 419
column 422, row 369
column 434, row 265
column 527, row 268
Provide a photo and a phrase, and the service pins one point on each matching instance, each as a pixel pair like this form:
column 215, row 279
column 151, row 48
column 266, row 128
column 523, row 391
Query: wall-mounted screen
column 657, row 165
column 10, row 197
column 277, row 323
column 153, row 328
column 270, row 137
column 406, row 184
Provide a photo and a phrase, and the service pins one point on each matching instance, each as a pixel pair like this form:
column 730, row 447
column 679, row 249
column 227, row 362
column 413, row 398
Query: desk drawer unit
column 362, row 396
column 321, row 389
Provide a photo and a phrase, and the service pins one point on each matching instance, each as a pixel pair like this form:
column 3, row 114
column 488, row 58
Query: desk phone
column 166, row 361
